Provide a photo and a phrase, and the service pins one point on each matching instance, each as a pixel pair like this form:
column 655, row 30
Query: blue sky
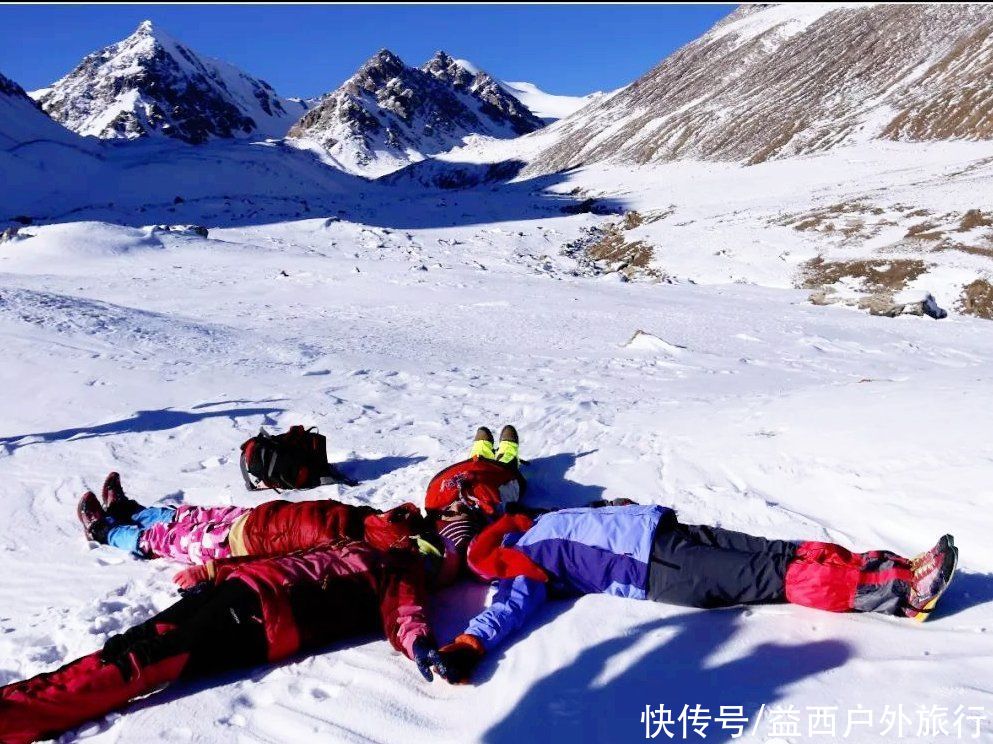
column 307, row 50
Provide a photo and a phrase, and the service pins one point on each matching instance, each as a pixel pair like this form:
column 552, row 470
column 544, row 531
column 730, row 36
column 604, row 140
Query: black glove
column 426, row 657
column 460, row 658
column 196, row 589
column 118, row 648
column 613, row 502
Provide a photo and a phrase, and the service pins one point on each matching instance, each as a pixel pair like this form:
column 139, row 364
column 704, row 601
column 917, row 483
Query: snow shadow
column 533, row 199
column 370, row 469
column 549, row 487
column 966, row 591
column 223, row 194
column 141, row 422
column 572, row 705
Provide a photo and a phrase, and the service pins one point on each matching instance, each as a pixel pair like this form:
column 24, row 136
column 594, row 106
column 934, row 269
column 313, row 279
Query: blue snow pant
column 126, row 536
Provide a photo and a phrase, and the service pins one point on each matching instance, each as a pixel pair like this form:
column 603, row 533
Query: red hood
column 489, row 559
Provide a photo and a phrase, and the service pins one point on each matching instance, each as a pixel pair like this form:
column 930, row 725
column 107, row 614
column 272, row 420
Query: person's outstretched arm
column 516, row 600
column 403, row 599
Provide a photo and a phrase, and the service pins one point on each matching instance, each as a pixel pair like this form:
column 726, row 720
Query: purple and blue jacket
column 584, row 551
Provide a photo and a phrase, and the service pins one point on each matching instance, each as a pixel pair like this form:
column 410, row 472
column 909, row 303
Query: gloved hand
column 460, row 658
column 118, row 648
column 599, row 503
column 426, row 657
column 189, row 580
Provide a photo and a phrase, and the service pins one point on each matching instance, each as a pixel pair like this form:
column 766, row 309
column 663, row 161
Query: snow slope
column 881, row 202
column 546, row 106
column 37, row 155
column 22, row 121
column 397, row 327
column 150, row 180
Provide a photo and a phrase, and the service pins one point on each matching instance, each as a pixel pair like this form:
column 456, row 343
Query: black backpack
column 296, row 459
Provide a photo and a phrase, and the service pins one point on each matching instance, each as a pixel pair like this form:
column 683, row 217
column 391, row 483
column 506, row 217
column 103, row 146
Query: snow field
column 157, row 356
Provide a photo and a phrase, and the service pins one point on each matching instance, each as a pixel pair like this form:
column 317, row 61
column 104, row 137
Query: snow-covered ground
column 717, row 222
column 399, row 322
column 547, row 106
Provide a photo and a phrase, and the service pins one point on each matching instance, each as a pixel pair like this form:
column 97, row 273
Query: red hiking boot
column 933, row 572
column 115, row 503
column 92, row 517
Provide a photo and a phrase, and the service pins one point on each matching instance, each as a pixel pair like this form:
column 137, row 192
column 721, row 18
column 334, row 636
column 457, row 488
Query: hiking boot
column 944, row 543
column 115, row 503
column 482, row 445
column 509, row 445
column 933, row 572
column 93, row 518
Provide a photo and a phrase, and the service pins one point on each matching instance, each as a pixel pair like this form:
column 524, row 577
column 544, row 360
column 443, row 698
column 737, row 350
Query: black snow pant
column 211, row 632
column 700, row 566
column 220, row 629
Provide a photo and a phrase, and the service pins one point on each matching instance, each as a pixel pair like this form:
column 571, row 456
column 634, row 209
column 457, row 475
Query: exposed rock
column 198, row 230
column 605, row 249
column 12, row 234
column 873, row 276
column 977, row 299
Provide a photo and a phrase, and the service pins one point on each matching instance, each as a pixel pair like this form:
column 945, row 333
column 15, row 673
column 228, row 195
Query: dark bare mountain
column 781, row 80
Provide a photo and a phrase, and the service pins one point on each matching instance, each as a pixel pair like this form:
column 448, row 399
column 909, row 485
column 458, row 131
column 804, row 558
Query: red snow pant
column 828, row 577
column 700, row 566
column 204, row 634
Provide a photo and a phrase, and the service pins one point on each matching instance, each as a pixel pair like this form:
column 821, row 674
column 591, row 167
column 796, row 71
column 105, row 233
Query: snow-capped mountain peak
column 467, row 65
column 378, row 69
column 148, row 30
column 444, row 67
column 388, row 114
column 152, row 84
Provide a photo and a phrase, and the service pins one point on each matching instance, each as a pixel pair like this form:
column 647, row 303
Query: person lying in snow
column 486, row 484
column 199, row 535
column 243, row 610
column 644, row 552
column 254, row 611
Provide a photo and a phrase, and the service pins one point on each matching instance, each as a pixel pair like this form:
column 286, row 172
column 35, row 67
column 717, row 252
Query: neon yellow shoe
column 508, row 451
column 482, row 446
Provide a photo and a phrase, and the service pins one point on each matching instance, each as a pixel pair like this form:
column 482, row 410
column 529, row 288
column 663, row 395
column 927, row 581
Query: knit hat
column 456, row 534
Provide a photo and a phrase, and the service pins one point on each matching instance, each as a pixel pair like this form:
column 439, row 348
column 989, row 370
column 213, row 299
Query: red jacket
column 279, row 527
column 312, row 598
column 490, row 484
